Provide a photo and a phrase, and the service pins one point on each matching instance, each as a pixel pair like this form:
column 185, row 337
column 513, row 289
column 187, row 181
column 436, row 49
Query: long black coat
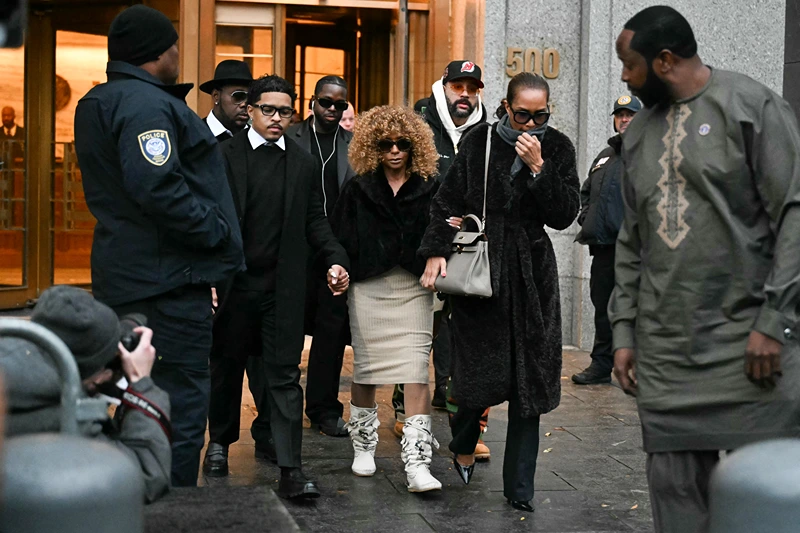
column 510, row 344
column 379, row 230
column 304, row 225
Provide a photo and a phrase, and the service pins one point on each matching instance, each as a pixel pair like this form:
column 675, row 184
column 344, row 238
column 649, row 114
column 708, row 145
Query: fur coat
column 379, row 230
column 508, row 346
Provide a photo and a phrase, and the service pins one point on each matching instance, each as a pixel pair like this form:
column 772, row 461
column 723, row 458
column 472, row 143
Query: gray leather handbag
column 468, row 266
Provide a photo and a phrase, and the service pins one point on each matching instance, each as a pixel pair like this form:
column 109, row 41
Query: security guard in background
column 166, row 223
column 601, row 216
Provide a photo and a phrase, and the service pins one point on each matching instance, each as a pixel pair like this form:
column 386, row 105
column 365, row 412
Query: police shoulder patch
column 155, row 146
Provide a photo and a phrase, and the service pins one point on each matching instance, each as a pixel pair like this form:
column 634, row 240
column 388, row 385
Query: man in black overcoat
column 326, row 316
column 278, row 198
column 229, row 116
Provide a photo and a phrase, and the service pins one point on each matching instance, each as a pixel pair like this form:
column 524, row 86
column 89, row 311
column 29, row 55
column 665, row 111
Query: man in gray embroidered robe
column 704, row 312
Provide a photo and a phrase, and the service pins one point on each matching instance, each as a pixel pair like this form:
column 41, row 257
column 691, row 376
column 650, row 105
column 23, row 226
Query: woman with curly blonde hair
column 380, row 219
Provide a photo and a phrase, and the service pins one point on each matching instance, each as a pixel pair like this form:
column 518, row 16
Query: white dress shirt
column 257, row 140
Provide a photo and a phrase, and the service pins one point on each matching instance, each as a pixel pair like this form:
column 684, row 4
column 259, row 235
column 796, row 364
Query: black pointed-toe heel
column 521, row 505
column 464, row 472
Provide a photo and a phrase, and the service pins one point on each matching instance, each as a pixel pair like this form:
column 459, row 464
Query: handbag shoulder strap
column 486, row 170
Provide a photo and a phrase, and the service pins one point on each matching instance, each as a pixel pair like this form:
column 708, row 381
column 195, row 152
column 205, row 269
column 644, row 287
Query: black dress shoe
column 295, row 485
column 215, row 463
column 439, row 400
column 521, row 505
column 464, row 472
column 592, row 376
column 332, row 427
column 266, row 451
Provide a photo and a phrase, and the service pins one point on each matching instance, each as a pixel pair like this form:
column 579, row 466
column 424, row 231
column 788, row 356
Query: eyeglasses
column 238, row 97
column 270, row 110
column 459, row 87
column 386, row 145
column 326, row 103
column 540, row 118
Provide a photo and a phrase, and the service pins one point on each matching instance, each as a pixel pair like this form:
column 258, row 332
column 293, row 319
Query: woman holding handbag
column 379, row 219
column 507, row 343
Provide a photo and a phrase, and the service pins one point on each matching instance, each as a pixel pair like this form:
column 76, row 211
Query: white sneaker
column 363, row 429
column 417, row 452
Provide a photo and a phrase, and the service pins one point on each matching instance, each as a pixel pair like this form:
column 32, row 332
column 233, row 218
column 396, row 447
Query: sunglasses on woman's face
column 539, row 118
column 386, row 145
column 326, row 103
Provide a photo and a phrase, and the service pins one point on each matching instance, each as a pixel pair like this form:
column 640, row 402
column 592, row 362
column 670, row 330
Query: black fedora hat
column 228, row 72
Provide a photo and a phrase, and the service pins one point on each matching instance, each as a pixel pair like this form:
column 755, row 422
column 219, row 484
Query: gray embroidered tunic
column 709, row 251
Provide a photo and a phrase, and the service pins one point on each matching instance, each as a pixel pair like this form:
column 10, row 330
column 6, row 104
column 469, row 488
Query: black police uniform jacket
column 508, row 346
column 602, row 209
column 304, row 226
column 379, row 230
column 444, row 144
column 155, row 181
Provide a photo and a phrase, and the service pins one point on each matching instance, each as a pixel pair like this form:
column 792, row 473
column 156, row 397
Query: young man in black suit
column 278, row 198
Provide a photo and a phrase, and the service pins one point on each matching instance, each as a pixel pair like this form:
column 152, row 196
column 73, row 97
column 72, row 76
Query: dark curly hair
column 381, row 122
column 269, row 84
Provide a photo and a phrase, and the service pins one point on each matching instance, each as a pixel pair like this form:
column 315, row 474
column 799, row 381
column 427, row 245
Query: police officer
column 166, row 224
column 601, row 217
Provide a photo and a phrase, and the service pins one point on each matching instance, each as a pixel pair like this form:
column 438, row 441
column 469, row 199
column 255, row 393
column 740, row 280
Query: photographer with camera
column 97, row 338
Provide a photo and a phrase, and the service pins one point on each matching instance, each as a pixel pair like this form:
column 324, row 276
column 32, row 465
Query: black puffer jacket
column 602, row 209
column 380, row 231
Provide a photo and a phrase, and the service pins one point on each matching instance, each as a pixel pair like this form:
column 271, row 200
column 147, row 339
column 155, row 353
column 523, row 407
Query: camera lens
column 127, row 323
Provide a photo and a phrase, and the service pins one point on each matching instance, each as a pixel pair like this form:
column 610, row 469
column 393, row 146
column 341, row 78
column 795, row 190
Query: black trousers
column 601, row 285
column 236, row 349
column 522, row 447
column 441, row 352
column 181, row 324
column 285, row 395
column 330, row 329
column 224, row 414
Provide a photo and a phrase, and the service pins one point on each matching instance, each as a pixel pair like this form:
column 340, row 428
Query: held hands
column 529, row 149
column 338, row 280
column 762, row 360
column 432, row 269
column 625, row 370
column 138, row 363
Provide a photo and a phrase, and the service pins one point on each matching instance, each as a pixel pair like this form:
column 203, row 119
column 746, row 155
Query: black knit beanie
column 140, row 34
column 89, row 328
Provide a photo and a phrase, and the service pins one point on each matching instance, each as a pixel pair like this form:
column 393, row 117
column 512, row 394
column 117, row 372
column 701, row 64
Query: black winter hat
column 89, row 328
column 140, row 34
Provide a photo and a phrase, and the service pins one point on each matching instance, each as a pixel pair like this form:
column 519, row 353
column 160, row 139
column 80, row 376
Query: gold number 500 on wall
column 545, row 63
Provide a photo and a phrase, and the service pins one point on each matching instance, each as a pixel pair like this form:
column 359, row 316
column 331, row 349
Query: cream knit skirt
column 391, row 321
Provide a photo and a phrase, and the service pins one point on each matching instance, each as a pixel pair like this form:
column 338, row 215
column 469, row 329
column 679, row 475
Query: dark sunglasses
column 326, row 103
column 269, row 111
column 386, row 145
column 238, row 97
column 539, row 118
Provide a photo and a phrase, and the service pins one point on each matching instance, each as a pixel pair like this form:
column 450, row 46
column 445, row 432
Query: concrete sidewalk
column 590, row 475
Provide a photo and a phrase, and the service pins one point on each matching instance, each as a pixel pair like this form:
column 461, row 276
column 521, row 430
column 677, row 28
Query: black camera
column 128, row 338
column 127, row 323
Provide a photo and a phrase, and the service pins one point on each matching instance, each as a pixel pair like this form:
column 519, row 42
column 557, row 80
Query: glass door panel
column 13, row 170
column 80, row 65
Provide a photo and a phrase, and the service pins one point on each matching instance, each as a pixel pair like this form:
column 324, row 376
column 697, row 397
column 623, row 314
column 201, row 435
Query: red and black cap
column 462, row 69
